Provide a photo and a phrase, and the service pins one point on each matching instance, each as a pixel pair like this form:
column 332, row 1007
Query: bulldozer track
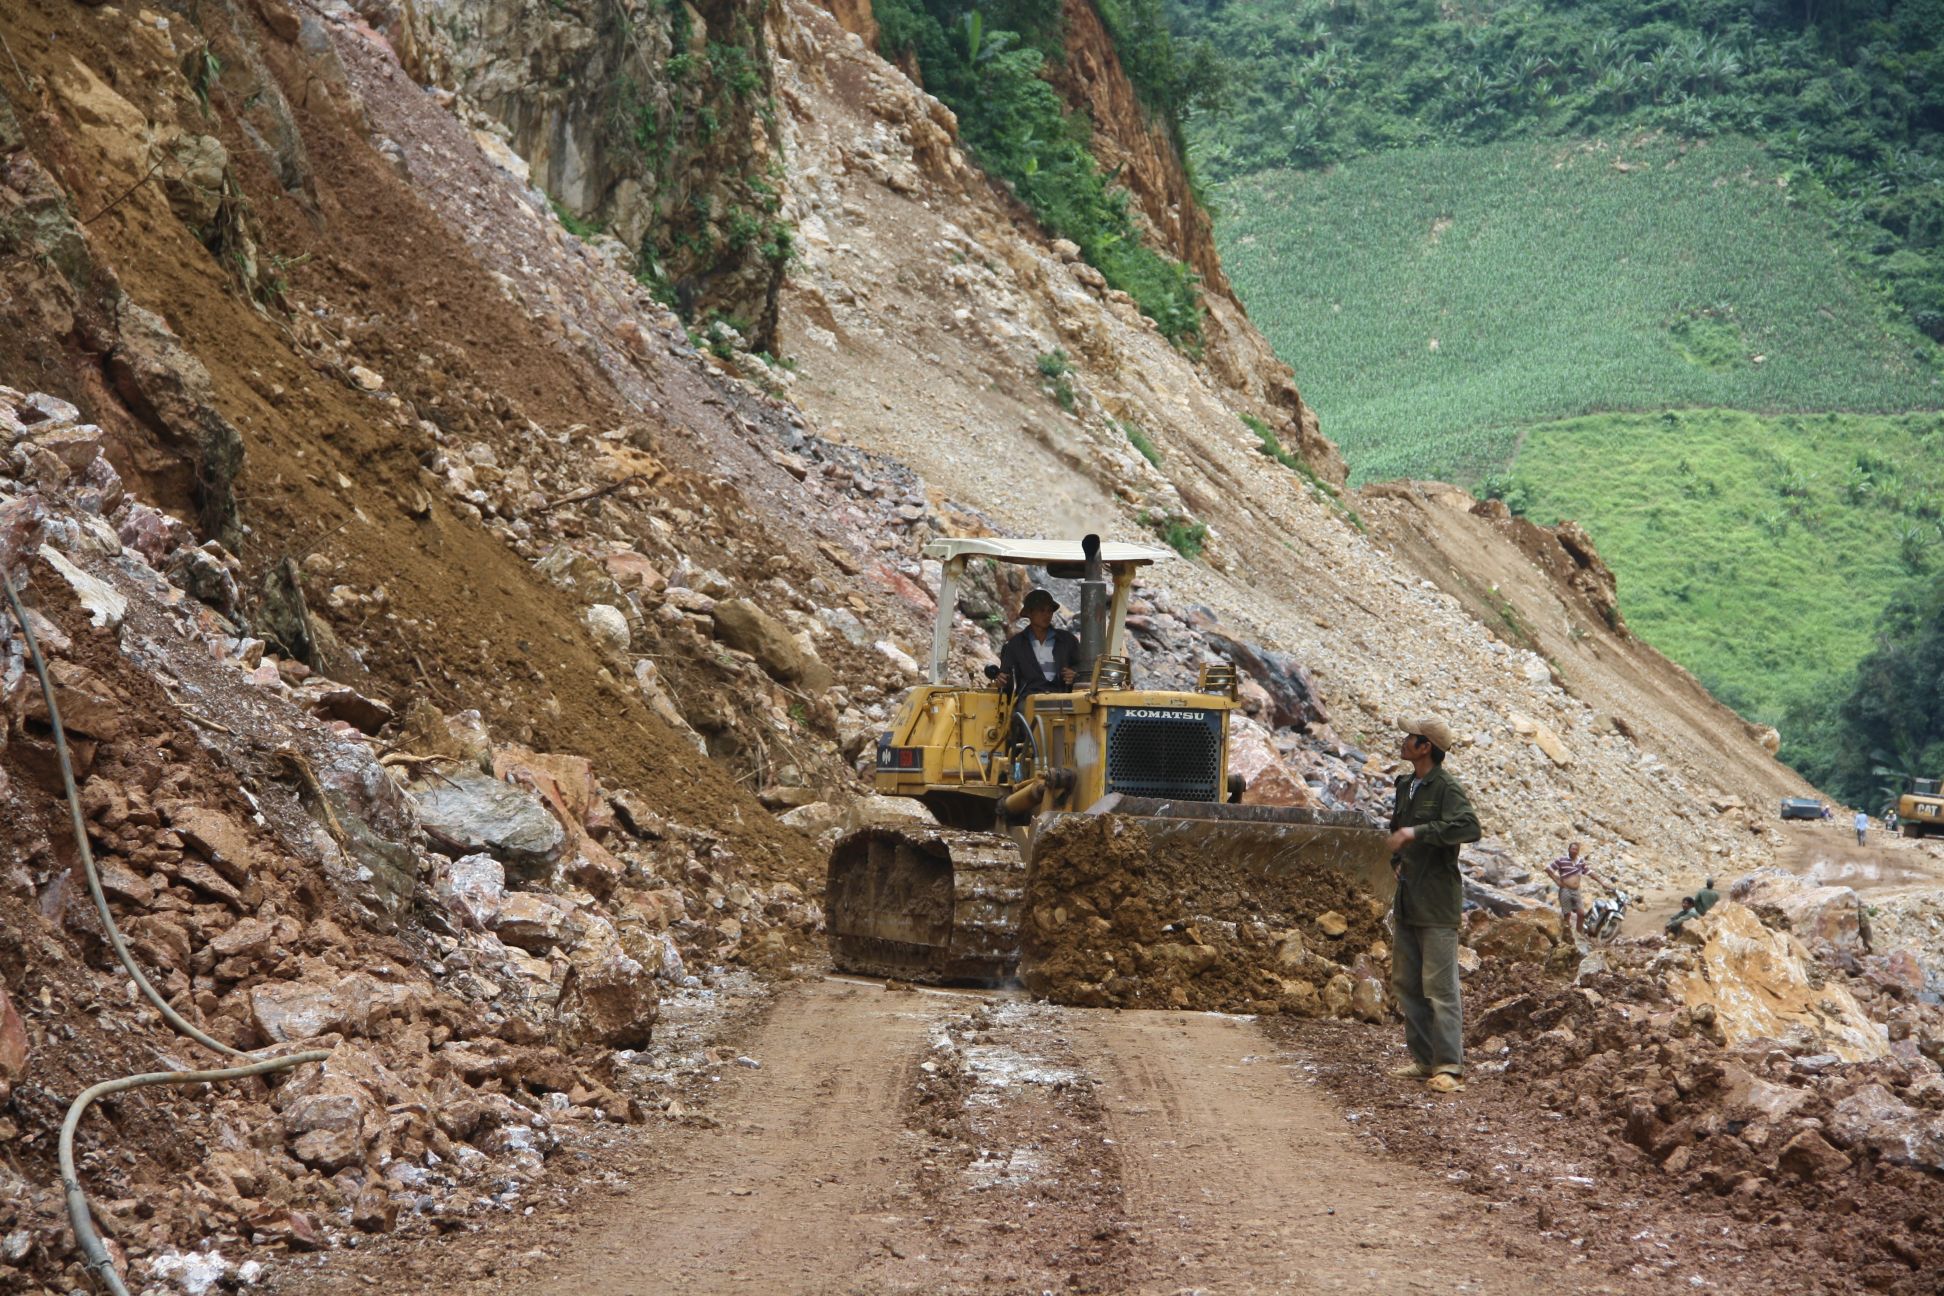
column 977, row 941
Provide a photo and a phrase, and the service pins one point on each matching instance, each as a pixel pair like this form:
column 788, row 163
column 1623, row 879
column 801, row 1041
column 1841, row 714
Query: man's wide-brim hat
column 1037, row 599
column 1434, row 729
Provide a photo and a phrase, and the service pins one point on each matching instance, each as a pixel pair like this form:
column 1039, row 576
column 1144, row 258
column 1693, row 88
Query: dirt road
column 959, row 1143
column 1250, row 1180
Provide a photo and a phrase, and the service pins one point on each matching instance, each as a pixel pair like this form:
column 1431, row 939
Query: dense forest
column 1889, row 726
column 986, row 62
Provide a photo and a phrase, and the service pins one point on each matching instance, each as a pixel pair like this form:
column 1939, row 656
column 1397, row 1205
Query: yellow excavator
column 941, row 901
column 1920, row 811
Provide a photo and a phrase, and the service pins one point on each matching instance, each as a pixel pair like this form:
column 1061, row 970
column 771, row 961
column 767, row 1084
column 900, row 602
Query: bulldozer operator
column 1039, row 659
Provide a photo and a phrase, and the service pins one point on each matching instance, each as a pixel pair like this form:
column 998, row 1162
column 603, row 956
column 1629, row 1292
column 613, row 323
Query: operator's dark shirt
column 1018, row 660
column 1430, row 890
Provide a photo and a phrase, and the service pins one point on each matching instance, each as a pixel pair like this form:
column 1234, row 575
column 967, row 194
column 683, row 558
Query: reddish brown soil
column 1113, row 920
column 330, row 469
column 1597, row 1122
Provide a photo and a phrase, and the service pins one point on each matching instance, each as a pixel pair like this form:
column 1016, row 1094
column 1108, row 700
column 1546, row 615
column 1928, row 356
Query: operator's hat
column 1434, row 729
column 1038, row 598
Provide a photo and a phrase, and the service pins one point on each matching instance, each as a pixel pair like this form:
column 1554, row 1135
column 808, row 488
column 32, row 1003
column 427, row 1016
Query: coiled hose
column 79, row 1216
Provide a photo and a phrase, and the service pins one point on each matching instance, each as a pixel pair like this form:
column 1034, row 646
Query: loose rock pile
column 1114, row 919
column 479, row 932
column 1788, row 1087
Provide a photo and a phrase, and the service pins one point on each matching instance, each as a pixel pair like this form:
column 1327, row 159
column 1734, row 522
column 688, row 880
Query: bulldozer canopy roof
column 1042, row 553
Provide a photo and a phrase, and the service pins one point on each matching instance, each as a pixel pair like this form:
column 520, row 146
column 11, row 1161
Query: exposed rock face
column 1134, row 146
column 855, row 17
column 1758, row 984
column 646, row 120
column 1813, row 913
column 151, row 396
column 741, row 624
column 1875, row 1118
column 1137, row 149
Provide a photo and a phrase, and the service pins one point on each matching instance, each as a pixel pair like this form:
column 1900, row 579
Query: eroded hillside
column 467, row 672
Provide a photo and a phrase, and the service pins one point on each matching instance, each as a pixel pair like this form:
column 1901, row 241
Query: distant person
column 1570, row 872
column 1431, row 818
column 1689, row 911
column 1827, row 812
column 1039, row 659
column 1862, row 826
column 1706, row 898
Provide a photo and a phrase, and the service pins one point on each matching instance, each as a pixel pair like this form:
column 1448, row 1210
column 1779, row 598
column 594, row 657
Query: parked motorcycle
column 1603, row 919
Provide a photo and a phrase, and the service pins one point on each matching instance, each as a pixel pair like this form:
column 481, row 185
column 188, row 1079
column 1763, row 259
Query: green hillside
column 1551, row 247
column 1755, row 550
column 1435, row 301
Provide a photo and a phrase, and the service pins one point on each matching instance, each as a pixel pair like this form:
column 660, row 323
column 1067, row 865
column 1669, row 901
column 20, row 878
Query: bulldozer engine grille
column 1157, row 752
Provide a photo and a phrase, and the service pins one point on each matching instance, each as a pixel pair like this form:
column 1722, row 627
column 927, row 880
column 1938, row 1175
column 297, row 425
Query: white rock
column 475, row 883
column 104, row 606
column 609, row 627
column 898, row 656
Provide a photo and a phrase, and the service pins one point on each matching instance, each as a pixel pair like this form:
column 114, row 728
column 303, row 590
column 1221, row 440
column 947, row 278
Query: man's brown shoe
column 1446, row 1082
column 1410, row 1071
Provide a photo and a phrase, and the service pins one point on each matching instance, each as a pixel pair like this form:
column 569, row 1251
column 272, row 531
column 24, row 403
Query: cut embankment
column 1756, row 551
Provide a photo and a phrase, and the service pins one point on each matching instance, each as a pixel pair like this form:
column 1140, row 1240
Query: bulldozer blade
column 1271, row 840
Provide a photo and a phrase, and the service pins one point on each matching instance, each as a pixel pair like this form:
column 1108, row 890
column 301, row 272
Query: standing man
column 1432, row 818
column 1039, row 659
column 1862, row 826
column 1571, row 872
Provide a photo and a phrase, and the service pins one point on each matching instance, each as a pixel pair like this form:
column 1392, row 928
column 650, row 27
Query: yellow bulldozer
column 942, row 901
column 1920, row 811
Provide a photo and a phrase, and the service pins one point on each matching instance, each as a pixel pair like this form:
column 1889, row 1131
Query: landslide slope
column 916, row 318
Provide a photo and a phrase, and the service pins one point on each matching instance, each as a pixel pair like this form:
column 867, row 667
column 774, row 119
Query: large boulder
column 467, row 813
column 610, row 996
column 370, row 820
column 1811, row 912
column 1524, row 936
column 1757, row 981
column 472, row 886
column 1874, row 1118
column 530, row 922
column 1543, row 738
column 1293, row 702
column 1267, row 780
column 741, row 624
column 330, row 1109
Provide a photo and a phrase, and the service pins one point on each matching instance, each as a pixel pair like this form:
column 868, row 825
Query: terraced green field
column 1435, row 302
column 1754, row 550
column 1646, row 336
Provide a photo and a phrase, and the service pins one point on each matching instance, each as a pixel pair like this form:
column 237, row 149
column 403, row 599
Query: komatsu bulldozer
column 942, row 902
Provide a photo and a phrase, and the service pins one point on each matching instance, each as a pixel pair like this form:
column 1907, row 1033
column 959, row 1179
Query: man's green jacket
column 1430, row 891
